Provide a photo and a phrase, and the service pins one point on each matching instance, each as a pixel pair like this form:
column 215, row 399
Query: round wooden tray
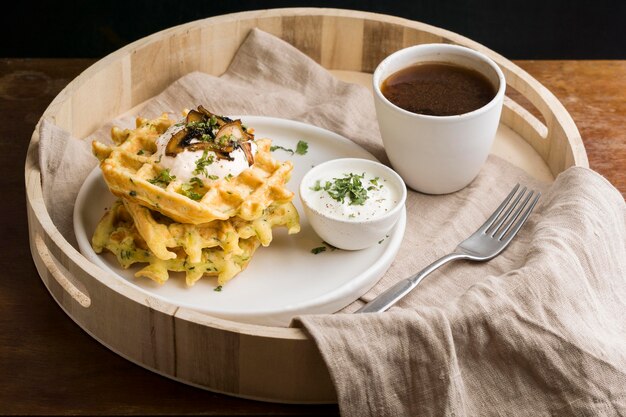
column 266, row 363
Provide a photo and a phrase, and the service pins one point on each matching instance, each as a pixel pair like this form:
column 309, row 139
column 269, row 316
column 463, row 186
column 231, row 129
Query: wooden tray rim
column 57, row 244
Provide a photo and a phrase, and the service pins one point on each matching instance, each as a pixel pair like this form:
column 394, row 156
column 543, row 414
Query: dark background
column 531, row 29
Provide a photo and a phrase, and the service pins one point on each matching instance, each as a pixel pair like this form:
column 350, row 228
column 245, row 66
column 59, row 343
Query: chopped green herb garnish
column 350, row 186
column 140, row 152
column 316, row 186
column 133, row 193
column 302, row 147
column 276, row 147
column 200, row 125
column 164, row 178
column 202, row 163
column 218, row 288
column 188, row 191
column 214, row 177
column 375, row 185
column 319, row 249
column 197, row 181
column 228, row 177
column 323, row 248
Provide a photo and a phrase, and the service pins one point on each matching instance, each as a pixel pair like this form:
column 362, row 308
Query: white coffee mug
column 438, row 154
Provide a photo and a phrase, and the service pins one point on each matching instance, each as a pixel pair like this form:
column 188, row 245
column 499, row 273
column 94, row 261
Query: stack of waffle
column 210, row 226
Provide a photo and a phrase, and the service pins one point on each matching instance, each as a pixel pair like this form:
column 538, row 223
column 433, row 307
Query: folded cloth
column 538, row 330
column 267, row 77
column 546, row 336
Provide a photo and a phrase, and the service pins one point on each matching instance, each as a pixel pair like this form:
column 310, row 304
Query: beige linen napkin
column 537, row 331
column 545, row 335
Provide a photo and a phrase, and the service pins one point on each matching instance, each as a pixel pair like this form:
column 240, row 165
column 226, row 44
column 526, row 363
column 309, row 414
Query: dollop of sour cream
column 184, row 164
column 382, row 196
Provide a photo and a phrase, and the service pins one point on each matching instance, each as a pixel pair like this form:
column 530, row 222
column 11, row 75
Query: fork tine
column 496, row 213
column 522, row 219
column 506, row 226
column 507, row 213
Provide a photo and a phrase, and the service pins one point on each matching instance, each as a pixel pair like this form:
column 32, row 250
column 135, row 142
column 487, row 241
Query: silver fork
column 486, row 243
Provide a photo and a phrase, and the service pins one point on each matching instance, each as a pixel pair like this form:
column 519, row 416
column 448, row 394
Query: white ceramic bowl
column 343, row 231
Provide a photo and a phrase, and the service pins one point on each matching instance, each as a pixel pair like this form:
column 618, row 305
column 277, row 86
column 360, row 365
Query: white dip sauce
column 183, row 164
column 382, row 196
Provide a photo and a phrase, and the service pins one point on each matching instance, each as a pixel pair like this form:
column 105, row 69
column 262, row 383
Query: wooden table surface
column 48, row 365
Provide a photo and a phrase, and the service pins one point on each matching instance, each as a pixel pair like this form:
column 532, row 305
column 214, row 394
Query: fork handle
column 391, row 295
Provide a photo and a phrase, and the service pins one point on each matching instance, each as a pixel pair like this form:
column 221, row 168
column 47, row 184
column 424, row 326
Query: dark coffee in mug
column 438, row 89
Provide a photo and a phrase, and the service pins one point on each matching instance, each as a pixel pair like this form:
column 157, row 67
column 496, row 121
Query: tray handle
column 72, row 286
column 558, row 141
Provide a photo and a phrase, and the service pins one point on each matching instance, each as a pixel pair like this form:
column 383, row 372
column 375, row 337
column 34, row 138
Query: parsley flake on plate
column 301, row 148
column 277, row 147
column 319, row 249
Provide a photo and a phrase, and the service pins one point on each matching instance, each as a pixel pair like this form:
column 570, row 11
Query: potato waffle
column 117, row 233
column 160, row 233
column 129, row 166
column 201, row 227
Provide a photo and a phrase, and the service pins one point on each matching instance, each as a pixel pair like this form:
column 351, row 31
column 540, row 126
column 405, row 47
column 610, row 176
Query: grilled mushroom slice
column 198, row 134
column 195, row 117
column 176, row 143
column 247, row 150
column 220, row 120
column 232, row 130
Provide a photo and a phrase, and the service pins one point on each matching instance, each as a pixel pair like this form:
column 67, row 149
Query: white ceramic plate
column 283, row 280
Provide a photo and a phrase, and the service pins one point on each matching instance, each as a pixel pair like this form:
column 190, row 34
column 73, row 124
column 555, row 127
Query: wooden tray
column 266, row 363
